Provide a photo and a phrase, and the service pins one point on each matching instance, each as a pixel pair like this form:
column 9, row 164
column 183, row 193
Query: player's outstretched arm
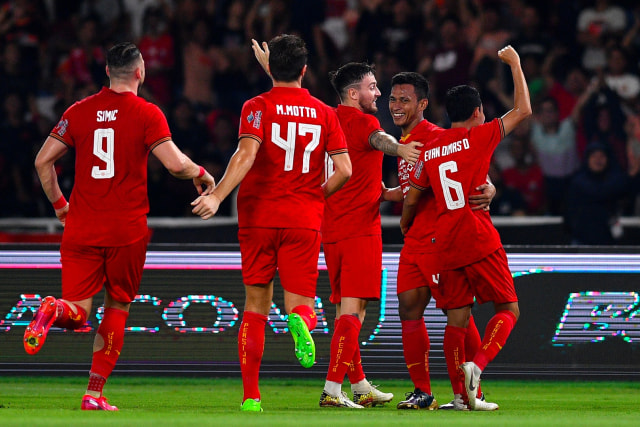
column 521, row 100
column 241, row 162
column 51, row 151
column 340, row 176
column 181, row 166
column 386, row 143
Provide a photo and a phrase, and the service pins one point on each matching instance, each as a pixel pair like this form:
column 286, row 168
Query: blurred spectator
column 85, row 63
column 594, row 198
column 222, row 127
column 555, row 145
column 595, row 25
column 617, row 74
column 22, row 22
column 266, row 19
column 137, row 10
column 201, row 60
column 507, row 201
column 18, row 148
column 157, row 46
column 400, row 34
column 531, row 37
column 526, row 176
column 448, row 64
column 493, row 38
column 186, row 131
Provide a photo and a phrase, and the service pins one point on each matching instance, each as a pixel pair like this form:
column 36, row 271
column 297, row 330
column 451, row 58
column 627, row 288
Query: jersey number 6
column 450, row 186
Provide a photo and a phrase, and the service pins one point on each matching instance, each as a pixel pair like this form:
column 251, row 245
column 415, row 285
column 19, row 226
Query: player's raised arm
column 340, row 176
column 521, row 100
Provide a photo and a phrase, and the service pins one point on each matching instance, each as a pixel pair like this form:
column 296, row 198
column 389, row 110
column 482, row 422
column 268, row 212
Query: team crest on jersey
column 61, row 127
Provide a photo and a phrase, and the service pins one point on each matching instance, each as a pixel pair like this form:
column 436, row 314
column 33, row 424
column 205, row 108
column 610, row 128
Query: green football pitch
column 172, row 401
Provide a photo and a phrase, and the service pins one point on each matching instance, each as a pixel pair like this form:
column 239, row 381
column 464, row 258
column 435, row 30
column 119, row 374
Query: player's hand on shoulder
column 509, row 56
column 62, row 214
column 206, row 206
column 410, row 152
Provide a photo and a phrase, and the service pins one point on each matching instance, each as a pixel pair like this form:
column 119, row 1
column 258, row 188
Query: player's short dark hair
column 287, row 57
column 122, row 59
column 349, row 74
column 461, row 101
column 417, row 80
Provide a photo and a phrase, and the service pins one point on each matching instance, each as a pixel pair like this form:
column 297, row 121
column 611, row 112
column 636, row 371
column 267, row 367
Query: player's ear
column 138, row 73
column 106, row 70
column 423, row 103
column 304, row 71
column 352, row 93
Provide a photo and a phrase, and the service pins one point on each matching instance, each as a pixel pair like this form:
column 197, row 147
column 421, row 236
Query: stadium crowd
column 580, row 59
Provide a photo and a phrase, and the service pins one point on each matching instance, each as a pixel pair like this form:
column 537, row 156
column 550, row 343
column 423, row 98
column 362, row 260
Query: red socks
column 250, row 351
column 355, row 371
column 308, row 314
column 495, row 337
column 69, row 316
column 112, row 332
column 415, row 346
column 454, row 355
column 343, row 346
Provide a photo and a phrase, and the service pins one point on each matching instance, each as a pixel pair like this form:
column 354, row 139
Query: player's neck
column 468, row 124
column 296, row 83
column 121, row 87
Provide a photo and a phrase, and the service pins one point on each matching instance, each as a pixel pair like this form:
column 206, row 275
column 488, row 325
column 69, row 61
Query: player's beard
column 369, row 108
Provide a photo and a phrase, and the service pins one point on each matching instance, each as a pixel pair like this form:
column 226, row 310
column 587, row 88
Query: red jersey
column 112, row 134
column 355, row 210
column 283, row 187
column 419, row 239
column 454, row 165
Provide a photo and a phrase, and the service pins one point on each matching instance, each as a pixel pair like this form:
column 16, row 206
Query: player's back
column 283, row 188
column 112, row 134
column 457, row 163
column 355, row 209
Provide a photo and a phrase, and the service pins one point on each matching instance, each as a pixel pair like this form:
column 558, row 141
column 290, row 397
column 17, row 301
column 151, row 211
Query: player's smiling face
column 404, row 107
column 368, row 93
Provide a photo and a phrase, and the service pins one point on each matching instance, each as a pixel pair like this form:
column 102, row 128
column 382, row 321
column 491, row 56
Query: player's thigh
column 82, row 271
column 491, row 279
column 258, row 250
column 416, row 270
column 298, row 252
column 123, row 270
column 361, row 272
column 454, row 290
column 333, row 259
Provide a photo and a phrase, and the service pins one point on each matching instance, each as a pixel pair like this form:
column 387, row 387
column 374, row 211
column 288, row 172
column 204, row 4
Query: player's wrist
column 201, row 171
column 60, row 203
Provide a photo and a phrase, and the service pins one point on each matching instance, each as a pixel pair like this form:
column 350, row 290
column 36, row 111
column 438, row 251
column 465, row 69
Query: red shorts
column 292, row 251
column 355, row 268
column 488, row 280
column 85, row 269
column 416, row 270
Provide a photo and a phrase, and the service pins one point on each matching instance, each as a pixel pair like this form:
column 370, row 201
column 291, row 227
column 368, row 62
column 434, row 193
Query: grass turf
column 171, row 401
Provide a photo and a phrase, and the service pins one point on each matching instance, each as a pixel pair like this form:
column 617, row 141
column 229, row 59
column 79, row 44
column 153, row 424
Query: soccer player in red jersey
column 473, row 262
column 418, row 276
column 351, row 233
column 105, row 236
column 284, row 135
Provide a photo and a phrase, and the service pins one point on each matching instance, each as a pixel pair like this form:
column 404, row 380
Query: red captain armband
column 202, row 172
column 60, row 203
